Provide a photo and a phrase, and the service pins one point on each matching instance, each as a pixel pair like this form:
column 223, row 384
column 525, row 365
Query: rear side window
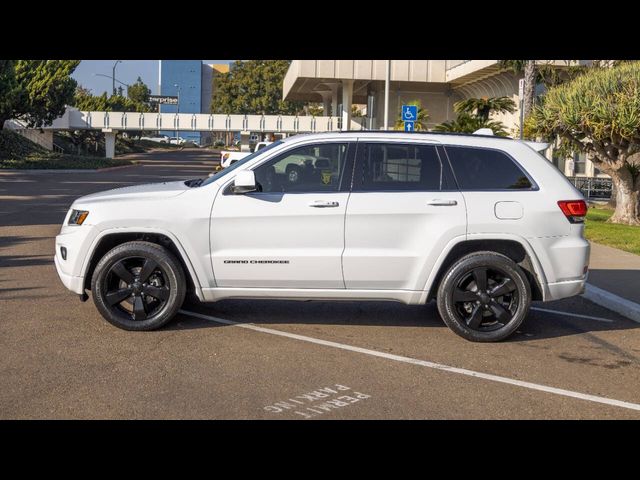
column 484, row 169
column 400, row 167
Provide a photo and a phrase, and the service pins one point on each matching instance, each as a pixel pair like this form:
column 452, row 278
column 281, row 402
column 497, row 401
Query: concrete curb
column 37, row 171
column 613, row 302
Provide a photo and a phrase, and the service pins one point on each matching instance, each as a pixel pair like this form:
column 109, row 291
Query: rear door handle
column 442, row 203
column 323, row 204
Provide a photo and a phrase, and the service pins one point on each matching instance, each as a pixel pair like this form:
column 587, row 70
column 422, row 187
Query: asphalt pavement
column 250, row 359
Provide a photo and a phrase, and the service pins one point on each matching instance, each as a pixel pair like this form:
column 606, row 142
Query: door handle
column 442, row 203
column 323, row 204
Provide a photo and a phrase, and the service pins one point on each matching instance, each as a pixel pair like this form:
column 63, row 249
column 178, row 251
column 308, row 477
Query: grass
column 20, row 153
column 623, row 237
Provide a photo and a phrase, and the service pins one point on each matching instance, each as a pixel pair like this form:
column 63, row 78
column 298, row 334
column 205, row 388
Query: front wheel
column 138, row 286
column 484, row 297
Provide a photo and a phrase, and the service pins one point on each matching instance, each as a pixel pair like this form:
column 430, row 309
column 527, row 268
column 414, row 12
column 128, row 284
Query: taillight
column 574, row 210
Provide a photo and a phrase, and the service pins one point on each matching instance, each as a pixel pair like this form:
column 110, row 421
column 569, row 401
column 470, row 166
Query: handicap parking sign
column 409, row 126
column 409, row 113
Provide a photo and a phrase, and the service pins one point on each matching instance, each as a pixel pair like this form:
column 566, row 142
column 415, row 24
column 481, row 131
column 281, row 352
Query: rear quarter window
column 486, row 169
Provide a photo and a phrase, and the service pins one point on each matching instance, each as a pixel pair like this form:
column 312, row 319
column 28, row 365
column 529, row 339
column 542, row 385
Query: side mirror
column 244, row 182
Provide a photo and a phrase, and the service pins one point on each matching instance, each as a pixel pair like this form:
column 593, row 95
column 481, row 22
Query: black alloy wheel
column 138, row 286
column 484, row 297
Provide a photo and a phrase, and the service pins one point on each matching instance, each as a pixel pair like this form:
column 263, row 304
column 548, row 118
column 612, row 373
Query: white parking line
column 422, row 363
column 579, row 315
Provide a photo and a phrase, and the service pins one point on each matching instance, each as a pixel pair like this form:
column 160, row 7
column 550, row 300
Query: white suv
column 482, row 224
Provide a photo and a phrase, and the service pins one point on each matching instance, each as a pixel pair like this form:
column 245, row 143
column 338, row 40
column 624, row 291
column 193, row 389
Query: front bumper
column 73, row 283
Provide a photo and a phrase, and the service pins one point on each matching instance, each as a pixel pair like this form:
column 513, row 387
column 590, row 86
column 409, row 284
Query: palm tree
column 469, row 123
column 528, row 68
column 421, row 122
column 484, row 107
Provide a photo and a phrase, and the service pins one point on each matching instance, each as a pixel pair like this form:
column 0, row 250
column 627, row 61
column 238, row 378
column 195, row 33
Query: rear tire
column 484, row 297
column 138, row 286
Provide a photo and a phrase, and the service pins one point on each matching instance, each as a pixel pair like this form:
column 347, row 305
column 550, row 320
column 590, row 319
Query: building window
column 579, row 164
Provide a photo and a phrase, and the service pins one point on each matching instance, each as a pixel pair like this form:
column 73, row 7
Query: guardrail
column 593, row 187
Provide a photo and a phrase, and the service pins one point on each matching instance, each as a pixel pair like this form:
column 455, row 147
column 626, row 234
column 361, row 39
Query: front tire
column 484, row 297
column 138, row 286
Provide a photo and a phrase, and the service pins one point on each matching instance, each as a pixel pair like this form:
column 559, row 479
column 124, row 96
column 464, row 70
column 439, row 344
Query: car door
column 403, row 210
column 290, row 234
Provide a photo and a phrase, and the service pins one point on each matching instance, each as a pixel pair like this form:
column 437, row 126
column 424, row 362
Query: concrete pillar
column 109, row 142
column 244, row 141
column 347, row 97
column 334, row 99
column 326, row 103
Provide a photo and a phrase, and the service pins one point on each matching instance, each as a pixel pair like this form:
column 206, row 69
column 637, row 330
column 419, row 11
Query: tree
column 598, row 113
column 484, row 107
column 139, row 92
column 468, row 123
column 40, row 90
column 8, row 89
column 421, row 121
column 474, row 113
column 253, row 86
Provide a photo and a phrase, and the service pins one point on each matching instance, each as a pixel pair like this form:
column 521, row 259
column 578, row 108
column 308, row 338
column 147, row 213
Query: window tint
column 396, row 166
column 312, row 168
column 483, row 169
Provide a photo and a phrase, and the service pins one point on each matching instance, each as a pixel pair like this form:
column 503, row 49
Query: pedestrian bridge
column 122, row 121
column 113, row 122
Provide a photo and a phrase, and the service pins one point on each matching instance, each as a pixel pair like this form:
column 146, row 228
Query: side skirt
column 409, row 297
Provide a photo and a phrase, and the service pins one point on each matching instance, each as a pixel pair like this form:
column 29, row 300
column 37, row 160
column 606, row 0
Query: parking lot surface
column 255, row 359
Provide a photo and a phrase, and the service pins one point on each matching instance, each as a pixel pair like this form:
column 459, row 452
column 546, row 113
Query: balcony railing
column 593, row 187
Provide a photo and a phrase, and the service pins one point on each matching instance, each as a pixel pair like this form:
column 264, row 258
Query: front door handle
column 442, row 203
column 323, row 204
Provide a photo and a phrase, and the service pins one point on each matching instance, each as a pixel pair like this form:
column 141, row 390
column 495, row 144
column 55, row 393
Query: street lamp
column 114, row 75
column 178, row 87
column 113, row 78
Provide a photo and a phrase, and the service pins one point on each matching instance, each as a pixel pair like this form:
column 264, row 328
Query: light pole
column 113, row 77
column 178, row 87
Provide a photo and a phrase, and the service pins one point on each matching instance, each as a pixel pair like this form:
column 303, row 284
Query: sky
column 127, row 72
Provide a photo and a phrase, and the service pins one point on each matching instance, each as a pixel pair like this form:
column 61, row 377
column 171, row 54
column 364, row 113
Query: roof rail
column 457, row 134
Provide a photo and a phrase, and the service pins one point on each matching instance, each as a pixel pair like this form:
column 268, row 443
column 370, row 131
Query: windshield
column 239, row 163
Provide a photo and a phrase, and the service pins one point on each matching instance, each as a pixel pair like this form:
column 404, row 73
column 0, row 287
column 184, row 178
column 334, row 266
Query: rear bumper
column 559, row 290
column 73, row 283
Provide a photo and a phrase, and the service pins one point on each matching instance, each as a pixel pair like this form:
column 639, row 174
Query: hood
column 150, row 191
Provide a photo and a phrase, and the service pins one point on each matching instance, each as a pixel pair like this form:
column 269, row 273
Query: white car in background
column 228, row 158
column 481, row 224
column 157, row 138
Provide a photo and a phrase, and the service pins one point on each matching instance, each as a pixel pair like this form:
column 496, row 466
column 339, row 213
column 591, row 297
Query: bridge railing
column 204, row 122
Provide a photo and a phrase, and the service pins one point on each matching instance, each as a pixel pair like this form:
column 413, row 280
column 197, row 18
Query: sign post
column 409, row 117
column 521, row 97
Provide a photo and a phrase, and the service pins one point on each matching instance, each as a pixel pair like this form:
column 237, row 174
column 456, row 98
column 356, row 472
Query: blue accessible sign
column 409, row 126
column 409, row 113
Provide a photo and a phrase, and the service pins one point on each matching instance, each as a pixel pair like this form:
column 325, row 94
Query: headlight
column 78, row 217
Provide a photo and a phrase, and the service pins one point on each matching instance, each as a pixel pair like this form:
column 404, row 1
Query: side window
column 400, row 167
column 484, row 169
column 311, row 168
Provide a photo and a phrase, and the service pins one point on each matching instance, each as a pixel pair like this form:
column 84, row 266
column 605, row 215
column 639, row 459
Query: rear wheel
column 138, row 286
column 484, row 297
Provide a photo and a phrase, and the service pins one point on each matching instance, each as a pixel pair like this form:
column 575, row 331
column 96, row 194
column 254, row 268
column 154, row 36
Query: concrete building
column 437, row 84
column 192, row 82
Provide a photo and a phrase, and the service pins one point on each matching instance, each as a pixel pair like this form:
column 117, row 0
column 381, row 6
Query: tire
column 121, row 294
column 490, row 315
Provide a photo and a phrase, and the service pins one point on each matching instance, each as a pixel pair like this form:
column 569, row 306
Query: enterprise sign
column 163, row 99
